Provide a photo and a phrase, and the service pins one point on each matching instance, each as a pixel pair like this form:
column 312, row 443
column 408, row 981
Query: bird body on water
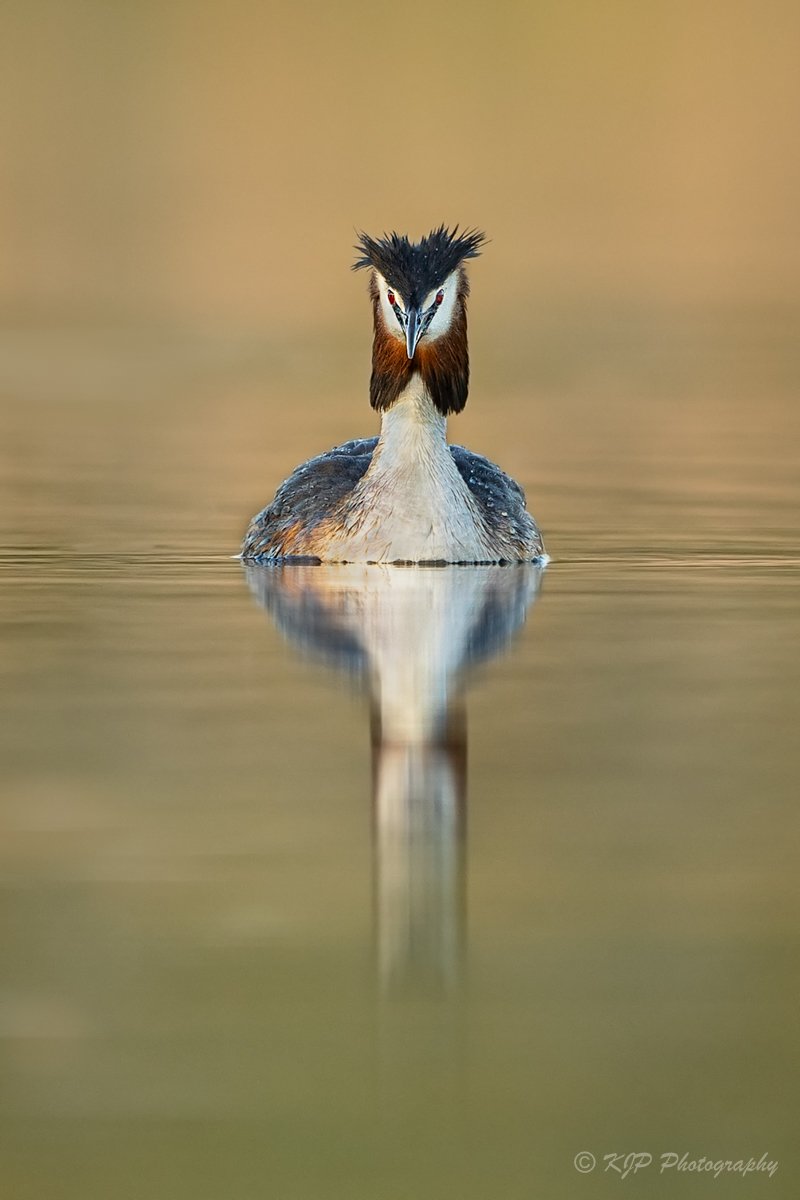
column 407, row 496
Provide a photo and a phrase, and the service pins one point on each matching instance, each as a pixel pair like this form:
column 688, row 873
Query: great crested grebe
column 406, row 496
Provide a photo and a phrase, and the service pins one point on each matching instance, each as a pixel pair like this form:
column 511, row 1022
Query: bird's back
column 317, row 490
column 311, row 495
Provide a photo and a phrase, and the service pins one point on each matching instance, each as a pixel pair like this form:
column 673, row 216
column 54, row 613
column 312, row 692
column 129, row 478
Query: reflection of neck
column 417, row 626
column 419, row 743
column 419, row 791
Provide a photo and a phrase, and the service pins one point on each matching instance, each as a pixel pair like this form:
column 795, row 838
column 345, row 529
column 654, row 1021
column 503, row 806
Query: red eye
column 390, row 298
column 439, row 297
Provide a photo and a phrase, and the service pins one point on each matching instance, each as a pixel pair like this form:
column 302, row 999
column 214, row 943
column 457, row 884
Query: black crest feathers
column 416, row 268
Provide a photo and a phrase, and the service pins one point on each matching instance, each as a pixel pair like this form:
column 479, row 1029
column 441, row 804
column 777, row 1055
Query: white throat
column 413, row 433
column 412, row 505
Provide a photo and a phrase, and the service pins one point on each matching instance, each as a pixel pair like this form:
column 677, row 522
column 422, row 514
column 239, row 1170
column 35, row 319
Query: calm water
column 326, row 883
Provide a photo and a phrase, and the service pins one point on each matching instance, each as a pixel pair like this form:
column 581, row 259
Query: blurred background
column 188, row 1001
column 179, row 192
column 208, row 163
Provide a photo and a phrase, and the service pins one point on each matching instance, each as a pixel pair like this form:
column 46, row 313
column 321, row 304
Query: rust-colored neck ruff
column 442, row 363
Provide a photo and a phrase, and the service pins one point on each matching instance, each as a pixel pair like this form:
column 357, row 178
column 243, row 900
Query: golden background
column 209, row 161
column 188, row 1005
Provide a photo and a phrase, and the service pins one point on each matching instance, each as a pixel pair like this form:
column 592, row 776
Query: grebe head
column 419, row 292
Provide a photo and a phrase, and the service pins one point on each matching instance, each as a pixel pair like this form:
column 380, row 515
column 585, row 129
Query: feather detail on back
column 315, row 496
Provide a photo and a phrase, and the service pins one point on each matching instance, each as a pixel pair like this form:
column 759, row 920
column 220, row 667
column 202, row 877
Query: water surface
column 241, row 955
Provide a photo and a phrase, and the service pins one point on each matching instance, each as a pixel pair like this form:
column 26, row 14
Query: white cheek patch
column 387, row 312
column 443, row 316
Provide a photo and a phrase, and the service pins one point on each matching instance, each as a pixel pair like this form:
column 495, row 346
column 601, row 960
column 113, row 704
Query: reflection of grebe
column 409, row 636
column 406, row 496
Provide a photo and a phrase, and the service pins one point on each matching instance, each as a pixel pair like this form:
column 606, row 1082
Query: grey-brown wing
column 300, row 612
column 307, row 497
column 501, row 499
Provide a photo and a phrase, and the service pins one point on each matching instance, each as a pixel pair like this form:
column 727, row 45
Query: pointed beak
column 413, row 330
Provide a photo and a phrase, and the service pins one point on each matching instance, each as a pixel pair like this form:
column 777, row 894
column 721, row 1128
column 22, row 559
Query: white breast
column 412, row 504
